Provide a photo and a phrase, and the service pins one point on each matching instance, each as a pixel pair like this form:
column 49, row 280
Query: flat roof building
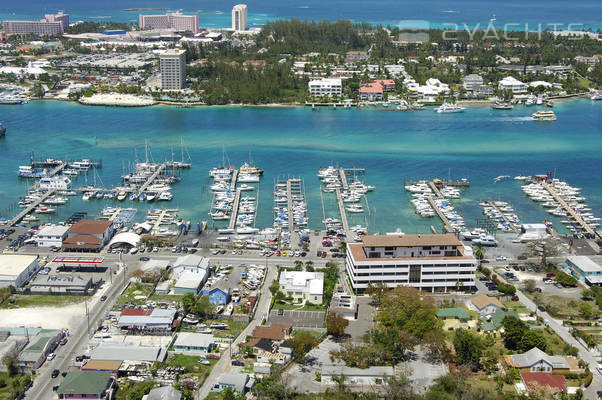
column 51, row 24
column 51, row 236
column 194, row 343
column 173, row 69
column 62, row 284
column 303, row 285
column 585, row 269
column 176, row 21
column 436, row 263
column 331, row 87
column 16, row 269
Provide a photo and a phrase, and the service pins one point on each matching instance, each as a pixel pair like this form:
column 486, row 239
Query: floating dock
column 435, row 190
column 342, row 212
column 511, row 224
column 570, row 211
column 29, row 208
column 447, row 227
column 234, row 213
column 151, row 178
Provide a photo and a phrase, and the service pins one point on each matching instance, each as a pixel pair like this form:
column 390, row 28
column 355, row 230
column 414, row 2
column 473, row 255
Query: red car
column 212, row 356
column 278, row 253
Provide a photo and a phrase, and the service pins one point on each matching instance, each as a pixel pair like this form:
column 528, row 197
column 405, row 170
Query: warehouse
column 62, row 284
column 15, row 269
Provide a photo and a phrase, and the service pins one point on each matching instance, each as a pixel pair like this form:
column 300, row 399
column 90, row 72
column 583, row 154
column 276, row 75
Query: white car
column 501, row 258
column 50, row 357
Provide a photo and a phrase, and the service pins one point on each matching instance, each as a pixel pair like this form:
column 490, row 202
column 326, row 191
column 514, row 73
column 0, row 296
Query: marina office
column 435, row 263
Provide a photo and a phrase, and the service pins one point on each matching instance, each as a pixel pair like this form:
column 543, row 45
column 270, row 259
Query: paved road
column 565, row 335
column 42, row 387
column 261, row 312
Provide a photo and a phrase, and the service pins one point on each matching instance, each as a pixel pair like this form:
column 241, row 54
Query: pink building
column 387, row 84
column 52, row 24
column 372, row 91
column 179, row 22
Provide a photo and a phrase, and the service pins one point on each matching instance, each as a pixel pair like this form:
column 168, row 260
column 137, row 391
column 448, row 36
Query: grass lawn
column 167, row 298
column 39, row 300
column 306, row 307
column 483, row 381
column 516, row 306
column 192, row 366
column 315, row 334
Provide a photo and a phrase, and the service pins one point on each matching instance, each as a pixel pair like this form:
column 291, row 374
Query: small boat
column 132, row 196
column 86, row 196
column 550, row 104
column 150, row 196
column 99, row 194
column 229, row 310
column 354, row 208
column 44, row 210
column 596, row 96
column 121, row 195
column 142, row 197
column 531, row 100
column 165, row 196
column 502, row 106
column 219, row 325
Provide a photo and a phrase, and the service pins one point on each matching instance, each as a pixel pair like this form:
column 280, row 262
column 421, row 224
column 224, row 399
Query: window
column 415, row 273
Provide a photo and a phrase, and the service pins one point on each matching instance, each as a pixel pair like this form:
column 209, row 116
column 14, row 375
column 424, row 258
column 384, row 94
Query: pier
column 343, row 177
column 569, row 209
column 447, row 227
column 159, row 220
column 510, row 223
column 289, row 198
column 151, row 178
column 234, row 180
column 234, row 213
column 449, row 182
column 435, row 190
column 29, row 208
column 342, row 212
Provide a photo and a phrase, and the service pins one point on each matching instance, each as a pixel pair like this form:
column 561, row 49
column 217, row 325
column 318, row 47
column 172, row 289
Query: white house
column 536, row 360
column 513, row 84
column 332, row 87
column 485, row 305
column 51, row 236
column 302, row 285
column 194, row 343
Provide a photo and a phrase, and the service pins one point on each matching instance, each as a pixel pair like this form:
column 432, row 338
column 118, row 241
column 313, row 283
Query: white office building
column 436, row 263
column 239, row 17
column 51, row 236
column 513, row 84
column 303, row 285
column 332, row 87
column 173, row 69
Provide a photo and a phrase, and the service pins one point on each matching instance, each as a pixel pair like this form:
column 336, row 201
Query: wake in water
column 450, row 11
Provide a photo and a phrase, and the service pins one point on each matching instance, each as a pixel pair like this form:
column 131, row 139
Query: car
column 284, row 253
column 541, row 308
column 516, row 240
column 558, row 285
column 55, row 388
column 78, row 359
column 215, row 252
column 501, row 258
column 204, row 362
column 55, row 373
column 280, row 311
column 507, row 268
column 278, row 253
column 103, row 298
column 63, row 341
column 50, row 357
column 144, row 258
column 213, row 356
column 323, row 254
column 64, row 373
column 238, row 363
column 222, row 252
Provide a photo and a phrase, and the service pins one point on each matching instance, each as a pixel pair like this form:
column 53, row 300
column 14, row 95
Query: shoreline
column 465, row 103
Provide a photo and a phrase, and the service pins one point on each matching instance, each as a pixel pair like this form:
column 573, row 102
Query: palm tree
column 479, row 251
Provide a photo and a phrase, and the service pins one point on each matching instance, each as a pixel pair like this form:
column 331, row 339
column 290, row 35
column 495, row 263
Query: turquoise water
column 478, row 144
column 386, row 12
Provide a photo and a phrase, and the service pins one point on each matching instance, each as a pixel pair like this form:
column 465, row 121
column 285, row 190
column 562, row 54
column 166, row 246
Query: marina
column 502, row 214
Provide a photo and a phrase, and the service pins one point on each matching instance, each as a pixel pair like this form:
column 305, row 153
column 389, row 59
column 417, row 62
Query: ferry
column 544, row 115
column 449, row 108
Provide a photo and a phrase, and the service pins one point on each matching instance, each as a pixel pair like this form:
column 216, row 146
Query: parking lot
column 298, row 319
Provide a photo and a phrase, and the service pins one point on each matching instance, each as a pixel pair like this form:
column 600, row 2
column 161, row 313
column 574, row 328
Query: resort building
column 51, row 24
column 239, row 17
column 513, row 84
column 88, row 235
column 585, row 269
column 436, row 263
column 302, row 285
column 173, row 69
column 176, row 21
column 331, row 87
column 371, row 92
column 472, row 81
column 51, row 236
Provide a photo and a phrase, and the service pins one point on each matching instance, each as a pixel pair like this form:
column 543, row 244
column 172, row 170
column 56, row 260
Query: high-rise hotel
column 177, row 21
column 239, row 17
column 51, row 24
column 173, row 69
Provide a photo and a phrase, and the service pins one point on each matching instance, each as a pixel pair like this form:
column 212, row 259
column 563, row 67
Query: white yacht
column 165, row 196
column 449, row 108
column 55, row 183
column 596, row 96
column 531, row 100
column 354, row 208
column 121, row 195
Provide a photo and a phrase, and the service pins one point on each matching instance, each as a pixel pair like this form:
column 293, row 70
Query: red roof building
column 372, row 91
column 387, row 84
column 541, row 380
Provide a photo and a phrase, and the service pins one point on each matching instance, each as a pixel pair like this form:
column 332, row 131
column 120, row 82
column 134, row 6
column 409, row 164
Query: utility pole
column 87, row 314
